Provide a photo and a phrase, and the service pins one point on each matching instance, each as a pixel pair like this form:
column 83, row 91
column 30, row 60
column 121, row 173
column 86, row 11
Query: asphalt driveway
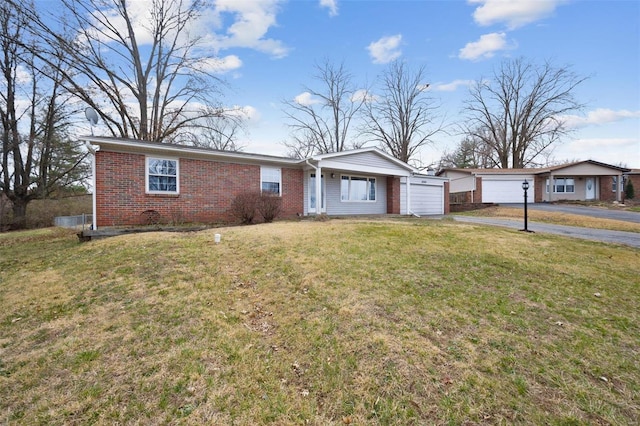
column 619, row 237
column 583, row 210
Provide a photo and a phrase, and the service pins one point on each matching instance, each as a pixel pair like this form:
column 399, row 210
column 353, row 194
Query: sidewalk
column 618, row 237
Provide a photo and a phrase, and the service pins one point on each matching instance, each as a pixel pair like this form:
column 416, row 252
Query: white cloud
column 305, row 99
column 363, row 95
column 514, row 13
column 386, row 49
column 453, row 86
column 485, row 47
column 332, row 5
column 606, row 150
column 252, row 21
column 599, row 116
column 221, row 65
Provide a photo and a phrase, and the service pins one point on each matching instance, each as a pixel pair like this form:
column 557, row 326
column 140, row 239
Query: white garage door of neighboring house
column 427, row 198
column 506, row 191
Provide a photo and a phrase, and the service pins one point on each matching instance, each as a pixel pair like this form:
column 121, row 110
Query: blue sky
column 269, row 49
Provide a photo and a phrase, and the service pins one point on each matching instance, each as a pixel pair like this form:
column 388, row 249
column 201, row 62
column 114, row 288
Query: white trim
column 368, row 180
column 279, row 170
column 165, row 149
column 94, row 201
column 146, row 175
column 328, row 164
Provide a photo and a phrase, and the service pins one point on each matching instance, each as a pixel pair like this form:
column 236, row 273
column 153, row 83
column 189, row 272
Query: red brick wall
column 207, row 189
column 447, row 209
column 393, row 195
column 540, row 187
column 477, row 195
column 635, row 181
column 606, row 191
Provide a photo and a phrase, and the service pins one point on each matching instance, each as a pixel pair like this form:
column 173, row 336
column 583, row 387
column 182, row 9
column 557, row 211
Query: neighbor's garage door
column 505, row 191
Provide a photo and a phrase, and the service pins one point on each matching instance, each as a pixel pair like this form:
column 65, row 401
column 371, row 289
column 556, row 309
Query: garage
column 427, row 195
column 504, row 191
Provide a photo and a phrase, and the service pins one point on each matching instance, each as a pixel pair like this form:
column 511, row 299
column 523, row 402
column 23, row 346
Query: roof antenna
column 92, row 116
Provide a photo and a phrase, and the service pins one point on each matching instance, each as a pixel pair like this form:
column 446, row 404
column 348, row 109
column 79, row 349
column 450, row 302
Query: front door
column 590, row 189
column 312, row 194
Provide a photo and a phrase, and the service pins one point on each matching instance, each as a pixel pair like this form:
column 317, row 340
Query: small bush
column 244, row 207
column 269, row 206
column 629, row 192
column 150, row 217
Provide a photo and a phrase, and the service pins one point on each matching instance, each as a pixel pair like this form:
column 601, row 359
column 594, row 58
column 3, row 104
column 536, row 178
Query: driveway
column 600, row 212
column 618, row 237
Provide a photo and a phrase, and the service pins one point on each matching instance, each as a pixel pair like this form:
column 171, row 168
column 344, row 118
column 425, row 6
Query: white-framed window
column 357, row 188
column 614, row 183
column 562, row 185
column 162, row 175
column 271, row 180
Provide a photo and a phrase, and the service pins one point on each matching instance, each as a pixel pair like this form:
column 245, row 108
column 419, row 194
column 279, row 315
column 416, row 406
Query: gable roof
column 135, row 145
column 337, row 159
column 356, row 152
column 533, row 170
column 592, row 162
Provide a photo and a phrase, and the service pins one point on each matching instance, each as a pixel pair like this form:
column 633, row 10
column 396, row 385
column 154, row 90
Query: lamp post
column 525, row 187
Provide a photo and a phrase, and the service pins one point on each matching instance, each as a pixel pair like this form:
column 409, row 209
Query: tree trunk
column 19, row 214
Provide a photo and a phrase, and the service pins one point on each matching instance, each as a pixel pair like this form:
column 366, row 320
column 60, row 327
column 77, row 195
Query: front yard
column 337, row 322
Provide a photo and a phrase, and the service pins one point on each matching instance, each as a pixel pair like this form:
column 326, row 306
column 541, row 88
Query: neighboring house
column 135, row 180
column 580, row 181
column 634, row 176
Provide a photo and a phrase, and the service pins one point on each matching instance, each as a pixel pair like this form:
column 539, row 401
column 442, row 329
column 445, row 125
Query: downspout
column 94, row 216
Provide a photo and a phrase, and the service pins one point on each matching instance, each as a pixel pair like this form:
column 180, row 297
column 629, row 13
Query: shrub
column 629, row 192
column 269, row 206
column 244, row 206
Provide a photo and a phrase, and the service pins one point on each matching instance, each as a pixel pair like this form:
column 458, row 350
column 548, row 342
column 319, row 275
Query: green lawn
column 337, row 322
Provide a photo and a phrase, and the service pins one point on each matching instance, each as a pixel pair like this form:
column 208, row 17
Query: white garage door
column 505, row 191
column 426, row 198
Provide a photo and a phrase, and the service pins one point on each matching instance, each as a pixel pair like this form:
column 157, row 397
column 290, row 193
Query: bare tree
column 221, row 132
column 401, row 118
column 471, row 152
column 519, row 114
column 38, row 157
column 146, row 75
column 321, row 119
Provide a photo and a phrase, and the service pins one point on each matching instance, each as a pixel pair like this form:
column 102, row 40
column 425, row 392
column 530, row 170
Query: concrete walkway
column 618, row 237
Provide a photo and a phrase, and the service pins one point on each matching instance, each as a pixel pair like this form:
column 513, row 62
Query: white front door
column 590, row 189
column 312, row 194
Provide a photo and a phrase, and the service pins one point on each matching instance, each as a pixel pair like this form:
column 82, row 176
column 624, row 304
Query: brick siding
column 207, row 189
column 393, row 195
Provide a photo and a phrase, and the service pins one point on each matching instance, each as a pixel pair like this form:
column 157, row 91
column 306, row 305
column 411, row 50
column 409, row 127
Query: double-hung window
column 357, row 188
column 562, row 185
column 162, row 175
column 271, row 180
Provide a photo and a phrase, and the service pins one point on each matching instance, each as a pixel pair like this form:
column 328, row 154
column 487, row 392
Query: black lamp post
column 525, row 187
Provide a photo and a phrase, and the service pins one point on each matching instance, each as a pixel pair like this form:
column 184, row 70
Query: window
column 562, row 185
column 270, row 180
column 614, row 183
column 357, row 188
column 162, row 175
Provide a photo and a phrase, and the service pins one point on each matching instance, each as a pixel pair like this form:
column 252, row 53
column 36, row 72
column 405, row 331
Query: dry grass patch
column 558, row 218
column 336, row 322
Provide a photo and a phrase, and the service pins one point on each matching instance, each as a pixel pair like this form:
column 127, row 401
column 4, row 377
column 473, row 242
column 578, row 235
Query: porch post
column 318, row 189
column 551, row 185
column 619, row 188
